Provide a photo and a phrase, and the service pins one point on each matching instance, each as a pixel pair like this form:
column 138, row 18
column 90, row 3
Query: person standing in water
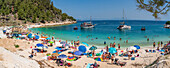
column 120, row 39
column 114, row 38
column 153, row 44
column 110, row 44
column 118, row 46
column 114, row 44
column 161, row 43
column 71, row 42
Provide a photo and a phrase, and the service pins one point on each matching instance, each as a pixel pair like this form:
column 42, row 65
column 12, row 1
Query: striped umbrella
column 98, row 59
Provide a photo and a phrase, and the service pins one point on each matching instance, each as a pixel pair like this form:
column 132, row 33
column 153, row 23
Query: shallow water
column 108, row 28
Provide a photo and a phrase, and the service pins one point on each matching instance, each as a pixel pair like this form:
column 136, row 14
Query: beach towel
column 88, row 65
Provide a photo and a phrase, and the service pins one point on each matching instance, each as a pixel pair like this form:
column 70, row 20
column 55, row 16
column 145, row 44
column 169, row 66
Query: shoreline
column 51, row 24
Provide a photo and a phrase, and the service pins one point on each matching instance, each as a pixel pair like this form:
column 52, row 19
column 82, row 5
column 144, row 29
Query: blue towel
column 88, row 65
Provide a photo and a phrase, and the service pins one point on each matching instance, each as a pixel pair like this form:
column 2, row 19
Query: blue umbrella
column 85, row 43
column 78, row 53
column 58, row 48
column 40, row 45
column 93, row 48
column 82, row 48
column 63, row 42
column 137, row 46
column 30, row 35
column 48, row 38
column 54, row 52
column 37, row 37
column 62, row 56
column 112, row 50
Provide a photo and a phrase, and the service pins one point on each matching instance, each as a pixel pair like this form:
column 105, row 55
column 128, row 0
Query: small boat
column 167, row 25
column 143, row 29
column 87, row 24
column 123, row 26
column 75, row 28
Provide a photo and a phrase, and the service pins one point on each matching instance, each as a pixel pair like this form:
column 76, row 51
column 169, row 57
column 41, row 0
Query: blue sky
column 104, row 9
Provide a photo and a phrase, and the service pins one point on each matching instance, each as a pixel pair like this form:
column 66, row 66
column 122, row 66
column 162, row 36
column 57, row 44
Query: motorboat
column 143, row 29
column 87, row 24
column 75, row 28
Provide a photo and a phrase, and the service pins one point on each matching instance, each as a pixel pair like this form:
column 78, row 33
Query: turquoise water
column 108, row 28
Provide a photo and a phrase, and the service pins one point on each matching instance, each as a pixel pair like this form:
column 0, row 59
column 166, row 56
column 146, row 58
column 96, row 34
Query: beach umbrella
column 85, row 43
column 58, row 48
column 78, row 53
column 36, row 37
column 55, row 54
column 131, row 48
column 63, row 42
column 82, row 48
column 98, row 59
column 62, row 56
column 93, row 48
column 48, row 38
column 65, row 45
column 30, row 35
column 50, row 42
column 112, row 50
column 40, row 45
column 44, row 37
column 137, row 46
column 71, row 58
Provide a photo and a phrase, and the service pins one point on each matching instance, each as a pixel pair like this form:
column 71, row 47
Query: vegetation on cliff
column 31, row 11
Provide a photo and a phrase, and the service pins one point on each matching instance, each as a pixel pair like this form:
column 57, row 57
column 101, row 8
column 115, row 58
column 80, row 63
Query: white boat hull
column 124, row 27
column 87, row 27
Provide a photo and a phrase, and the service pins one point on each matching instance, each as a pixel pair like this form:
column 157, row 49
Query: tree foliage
column 32, row 10
column 168, row 22
column 156, row 7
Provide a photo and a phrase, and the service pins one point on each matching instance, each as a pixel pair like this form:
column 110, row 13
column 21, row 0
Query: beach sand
column 10, row 55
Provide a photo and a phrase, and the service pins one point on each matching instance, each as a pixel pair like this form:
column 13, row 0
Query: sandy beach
column 8, row 49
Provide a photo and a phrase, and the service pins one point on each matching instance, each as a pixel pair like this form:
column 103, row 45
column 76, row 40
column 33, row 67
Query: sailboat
column 87, row 24
column 123, row 26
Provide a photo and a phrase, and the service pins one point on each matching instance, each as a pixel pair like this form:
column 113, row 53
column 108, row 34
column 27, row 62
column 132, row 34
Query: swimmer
column 108, row 38
column 114, row 38
column 148, row 39
column 96, row 38
column 77, row 36
column 126, row 41
column 120, row 39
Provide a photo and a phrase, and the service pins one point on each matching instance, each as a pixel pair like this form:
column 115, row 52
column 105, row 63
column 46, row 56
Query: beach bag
column 133, row 58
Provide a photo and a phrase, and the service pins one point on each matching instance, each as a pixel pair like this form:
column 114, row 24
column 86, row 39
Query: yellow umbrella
column 55, row 54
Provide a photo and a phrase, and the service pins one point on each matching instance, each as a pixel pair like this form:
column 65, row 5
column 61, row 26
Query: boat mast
column 123, row 17
column 90, row 19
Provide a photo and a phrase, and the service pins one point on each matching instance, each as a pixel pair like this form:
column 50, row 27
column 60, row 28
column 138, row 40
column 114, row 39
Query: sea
column 106, row 30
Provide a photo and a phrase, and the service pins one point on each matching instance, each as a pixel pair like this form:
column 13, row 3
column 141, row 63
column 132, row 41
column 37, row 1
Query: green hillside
column 30, row 11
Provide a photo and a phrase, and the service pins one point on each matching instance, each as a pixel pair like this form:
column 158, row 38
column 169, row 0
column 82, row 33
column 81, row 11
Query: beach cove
column 106, row 30
column 26, row 46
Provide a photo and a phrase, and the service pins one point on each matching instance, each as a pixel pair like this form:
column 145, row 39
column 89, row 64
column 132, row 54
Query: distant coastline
column 39, row 25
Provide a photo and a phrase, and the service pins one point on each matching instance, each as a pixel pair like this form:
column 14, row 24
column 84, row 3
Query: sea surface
column 108, row 28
